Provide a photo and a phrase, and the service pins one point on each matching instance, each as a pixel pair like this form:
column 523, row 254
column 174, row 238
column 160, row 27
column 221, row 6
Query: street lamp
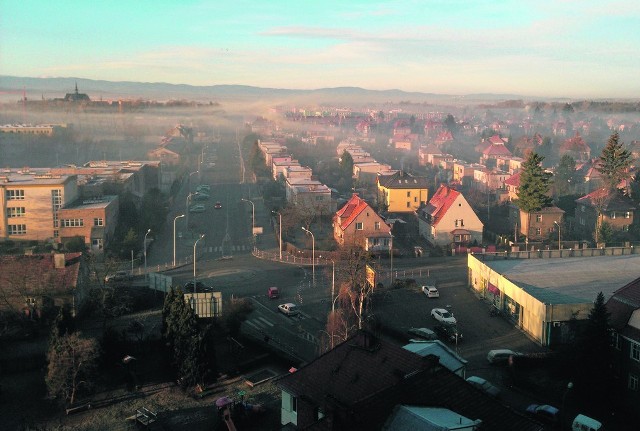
column 391, row 254
column 253, row 215
column 333, row 285
column 145, row 253
column 559, row 243
column 174, row 237
column 280, row 233
column 194, row 262
column 564, row 398
column 196, row 172
column 186, row 209
column 313, row 253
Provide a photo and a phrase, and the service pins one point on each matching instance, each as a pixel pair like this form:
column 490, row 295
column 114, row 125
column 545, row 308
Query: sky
column 550, row 48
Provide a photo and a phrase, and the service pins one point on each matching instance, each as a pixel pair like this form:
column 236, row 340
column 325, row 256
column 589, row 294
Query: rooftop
column 569, row 280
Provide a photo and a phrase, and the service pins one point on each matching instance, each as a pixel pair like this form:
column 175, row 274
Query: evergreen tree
column 533, row 192
column 566, row 177
column 615, row 162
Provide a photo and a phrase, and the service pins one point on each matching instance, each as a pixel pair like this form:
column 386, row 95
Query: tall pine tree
column 615, row 162
column 533, row 192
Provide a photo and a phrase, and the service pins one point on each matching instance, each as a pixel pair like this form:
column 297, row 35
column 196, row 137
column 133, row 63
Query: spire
column 76, row 87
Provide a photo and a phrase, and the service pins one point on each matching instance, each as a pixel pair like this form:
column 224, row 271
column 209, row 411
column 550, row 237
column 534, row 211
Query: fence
column 565, row 253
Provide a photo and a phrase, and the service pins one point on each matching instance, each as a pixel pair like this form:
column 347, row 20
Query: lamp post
column 253, row 215
column 391, row 254
column 194, row 262
column 145, row 253
column 186, row 209
column 313, row 253
column 280, row 231
column 333, row 286
column 559, row 243
column 196, row 172
column 174, row 237
column 564, row 399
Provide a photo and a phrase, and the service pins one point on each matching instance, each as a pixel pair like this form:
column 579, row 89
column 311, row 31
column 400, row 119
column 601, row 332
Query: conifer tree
column 615, row 162
column 533, row 192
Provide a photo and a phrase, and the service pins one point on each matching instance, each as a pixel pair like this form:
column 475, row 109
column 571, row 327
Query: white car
column 443, row 316
column 430, row 291
column 289, row 309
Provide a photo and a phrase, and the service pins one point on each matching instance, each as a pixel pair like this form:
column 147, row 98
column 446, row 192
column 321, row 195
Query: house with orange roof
column 511, row 184
column 604, row 206
column 357, row 225
column 448, row 219
column 575, row 147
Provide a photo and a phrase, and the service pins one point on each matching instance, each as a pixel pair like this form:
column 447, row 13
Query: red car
column 218, row 205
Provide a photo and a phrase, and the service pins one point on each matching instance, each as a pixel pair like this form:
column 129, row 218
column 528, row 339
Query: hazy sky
column 580, row 48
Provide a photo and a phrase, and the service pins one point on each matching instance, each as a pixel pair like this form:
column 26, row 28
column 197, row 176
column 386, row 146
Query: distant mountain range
column 49, row 88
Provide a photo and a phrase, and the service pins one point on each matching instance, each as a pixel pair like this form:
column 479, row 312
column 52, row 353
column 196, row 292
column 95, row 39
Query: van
column 585, row 423
column 273, row 292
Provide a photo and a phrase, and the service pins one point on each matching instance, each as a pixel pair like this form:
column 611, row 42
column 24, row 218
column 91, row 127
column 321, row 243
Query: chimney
column 59, row 261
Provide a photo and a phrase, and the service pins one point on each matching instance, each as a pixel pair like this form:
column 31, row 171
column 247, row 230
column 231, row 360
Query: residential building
column 35, row 285
column 368, row 172
column 357, row 225
column 624, row 309
column 366, row 383
column 33, row 129
column 511, row 184
column 604, row 206
column 30, row 201
column 576, row 147
column 462, row 170
column 446, row 356
column 542, row 223
column 401, row 192
column 448, row 219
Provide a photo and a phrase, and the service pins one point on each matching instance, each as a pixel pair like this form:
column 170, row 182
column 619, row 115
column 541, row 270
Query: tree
column 566, row 178
column 533, row 192
column 71, row 362
column 346, row 162
column 450, row 124
column 615, row 162
column 355, row 290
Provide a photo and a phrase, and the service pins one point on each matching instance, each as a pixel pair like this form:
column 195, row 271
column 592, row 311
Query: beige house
column 356, row 224
column 95, row 220
column 448, row 219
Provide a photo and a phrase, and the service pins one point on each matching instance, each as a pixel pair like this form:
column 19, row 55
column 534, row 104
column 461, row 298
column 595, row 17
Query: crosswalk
column 263, row 325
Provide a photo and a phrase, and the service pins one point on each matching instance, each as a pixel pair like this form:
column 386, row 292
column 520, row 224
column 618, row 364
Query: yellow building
column 402, row 192
column 30, row 201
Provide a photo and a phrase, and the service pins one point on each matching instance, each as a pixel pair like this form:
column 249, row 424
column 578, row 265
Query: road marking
column 265, row 321
column 250, row 323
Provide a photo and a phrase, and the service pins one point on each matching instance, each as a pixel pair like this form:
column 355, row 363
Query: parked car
column 430, row 291
column 289, row 309
column 218, row 205
column 118, row 276
column 199, row 196
column 197, row 208
column 544, row 413
column 448, row 332
column 501, row 356
column 273, row 292
column 443, row 316
column 423, row 333
column 484, row 386
column 200, row 287
column 585, row 423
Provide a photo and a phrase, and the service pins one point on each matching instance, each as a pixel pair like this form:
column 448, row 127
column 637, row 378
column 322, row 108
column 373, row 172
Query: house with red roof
column 36, row 285
column 575, row 147
column 624, row 308
column 367, row 383
column 357, row 225
column 495, row 151
column 511, row 184
column 448, row 219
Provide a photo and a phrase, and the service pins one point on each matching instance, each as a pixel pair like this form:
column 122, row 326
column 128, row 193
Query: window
column 582, row 208
column 582, row 221
column 359, row 226
column 616, row 342
column 625, row 228
column 635, row 351
column 415, row 199
column 633, row 382
column 72, row 222
column 294, row 404
column 56, row 199
column 408, row 204
column 15, row 195
column 17, row 229
column 627, row 214
column 98, row 221
column 538, row 231
column 613, row 215
column 538, row 218
column 409, row 194
column 16, row 212
column 376, row 225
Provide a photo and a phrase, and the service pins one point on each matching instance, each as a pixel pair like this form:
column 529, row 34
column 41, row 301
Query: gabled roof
column 622, row 304
column 496, row 150
column 609, row 200
column 38, row 270
column 360, row 382
column 496, row 139
column 576, row 143
column 440, row 202
column 402, row 180
column 350, row 211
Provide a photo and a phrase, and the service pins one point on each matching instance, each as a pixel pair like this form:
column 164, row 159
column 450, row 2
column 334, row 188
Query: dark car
column 544, row 413
column 200, row 287
column 448, row 333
